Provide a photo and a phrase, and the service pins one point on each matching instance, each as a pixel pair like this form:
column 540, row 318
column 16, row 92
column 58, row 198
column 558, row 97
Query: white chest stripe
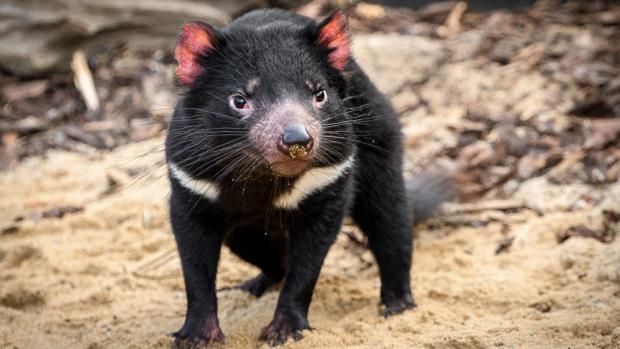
column 311, row 181
column 207, row 189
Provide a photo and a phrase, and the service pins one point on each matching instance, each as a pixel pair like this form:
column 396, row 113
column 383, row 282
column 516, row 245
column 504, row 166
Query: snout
column 295, row 142
column 287, row 138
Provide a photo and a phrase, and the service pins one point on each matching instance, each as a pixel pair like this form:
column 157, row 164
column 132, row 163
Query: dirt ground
column 108, row 277
column 528, row 258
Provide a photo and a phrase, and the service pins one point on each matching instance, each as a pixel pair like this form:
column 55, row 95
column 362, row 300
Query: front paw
column 194, row 337
column 282, row 327
column 397, row 305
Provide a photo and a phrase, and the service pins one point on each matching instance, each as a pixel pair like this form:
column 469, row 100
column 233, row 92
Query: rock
column 436, row 12
column 370, row 11
column 478, row 154
column 543, row 196
column 536, row 164
column 393, row 60
column 40, row 37
column 614, row 342
column 605, row 266
column 601, row 132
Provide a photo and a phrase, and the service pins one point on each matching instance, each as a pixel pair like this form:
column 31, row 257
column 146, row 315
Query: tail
column 425, row 193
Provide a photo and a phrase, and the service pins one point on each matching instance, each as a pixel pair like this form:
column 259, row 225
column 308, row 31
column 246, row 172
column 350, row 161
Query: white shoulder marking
column 311, row 181
column 207, row 189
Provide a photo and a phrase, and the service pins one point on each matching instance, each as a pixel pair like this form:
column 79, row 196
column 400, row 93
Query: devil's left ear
column 334, row 36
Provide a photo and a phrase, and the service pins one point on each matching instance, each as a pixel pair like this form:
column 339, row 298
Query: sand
column 109, row 277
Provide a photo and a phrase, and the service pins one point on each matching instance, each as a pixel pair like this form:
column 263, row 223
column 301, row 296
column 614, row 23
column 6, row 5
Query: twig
column 496, row 205
column 453, row 23
column 84, row 137
column 142, row 271
column 25, row 126
column 84, row 80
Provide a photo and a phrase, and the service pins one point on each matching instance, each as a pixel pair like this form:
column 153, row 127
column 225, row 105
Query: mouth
column 289, row 168
column 296, row 151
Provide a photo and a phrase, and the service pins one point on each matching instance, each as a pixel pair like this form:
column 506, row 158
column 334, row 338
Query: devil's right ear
column 196, row 40
column 334, row 36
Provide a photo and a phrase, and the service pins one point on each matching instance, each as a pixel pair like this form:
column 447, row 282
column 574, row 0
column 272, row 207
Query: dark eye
column 239, row 102
column 319, row 95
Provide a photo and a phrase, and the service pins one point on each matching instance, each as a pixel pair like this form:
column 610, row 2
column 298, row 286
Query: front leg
column 199, row 246
column 314, row 231
column 383, row 214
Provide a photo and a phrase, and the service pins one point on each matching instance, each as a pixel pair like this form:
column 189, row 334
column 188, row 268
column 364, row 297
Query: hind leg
column 259, row 284
column 263, row 251
column 382, row 213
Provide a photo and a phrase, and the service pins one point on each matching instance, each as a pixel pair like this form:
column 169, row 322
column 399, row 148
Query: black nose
column 295, row 133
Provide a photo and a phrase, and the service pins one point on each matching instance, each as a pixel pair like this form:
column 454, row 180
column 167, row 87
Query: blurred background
column 518, row 100
column 88, row 75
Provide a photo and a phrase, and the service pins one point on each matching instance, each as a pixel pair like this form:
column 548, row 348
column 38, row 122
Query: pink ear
column 196, row 39
column 333, row 35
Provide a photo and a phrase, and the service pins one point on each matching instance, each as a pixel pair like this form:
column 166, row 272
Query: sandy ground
column 109, row 277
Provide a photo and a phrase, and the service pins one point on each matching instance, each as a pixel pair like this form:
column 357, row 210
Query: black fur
column 208, row 141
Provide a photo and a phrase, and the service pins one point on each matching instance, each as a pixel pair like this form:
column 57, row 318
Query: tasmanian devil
column 280, row 136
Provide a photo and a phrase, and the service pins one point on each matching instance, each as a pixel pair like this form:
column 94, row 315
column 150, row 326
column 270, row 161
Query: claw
column 281, row 329
column 396, row 308
column 184, row 339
